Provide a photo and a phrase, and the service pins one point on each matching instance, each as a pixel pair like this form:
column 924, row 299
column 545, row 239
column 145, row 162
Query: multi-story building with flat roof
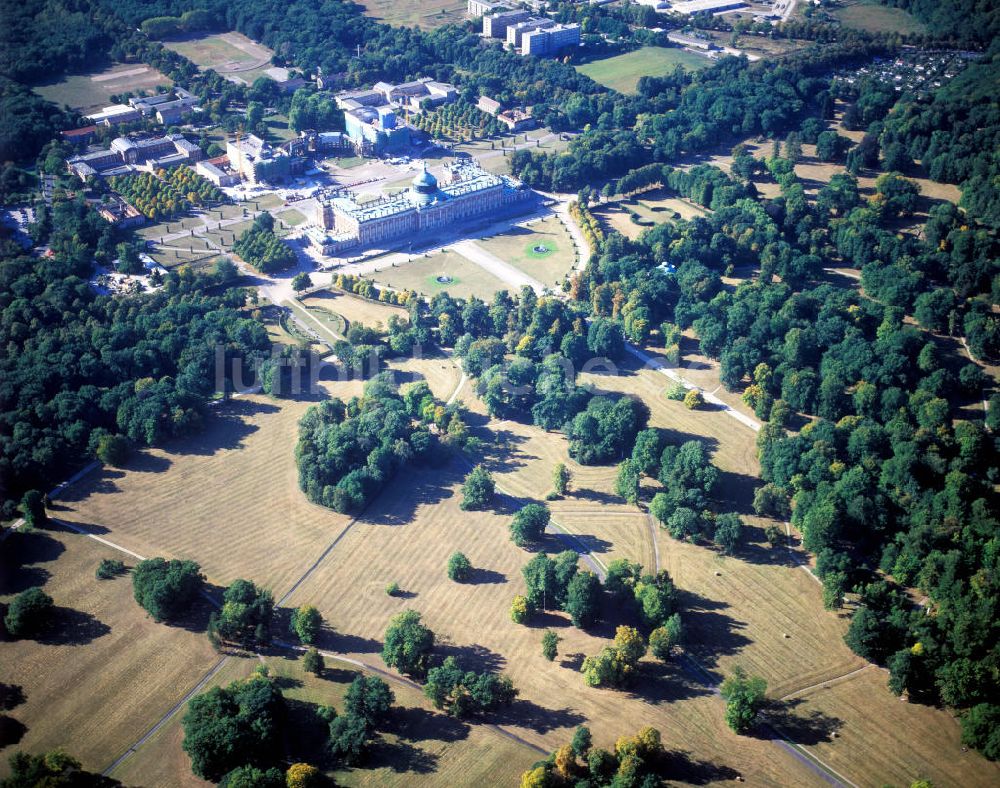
column 495, row 25
column 483, row 7
column 516, row 32
column 467, row 192
column 549, row 39
column 372, row 116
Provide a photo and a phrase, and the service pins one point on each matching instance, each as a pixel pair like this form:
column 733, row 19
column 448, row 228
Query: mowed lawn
column 417, row 747
column 92, row 91
column 622, row 72
column 407, row 536
column 106, row 671
column 542, row 249
column 883, row 739
column 465, row 278
column 229, row 498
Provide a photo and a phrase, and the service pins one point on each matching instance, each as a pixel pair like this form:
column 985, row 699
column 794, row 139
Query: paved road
column 654, row 363
column 502, row 270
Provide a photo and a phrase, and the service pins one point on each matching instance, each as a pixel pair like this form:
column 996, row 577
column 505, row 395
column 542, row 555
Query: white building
column 468, row 192
column 707, row 6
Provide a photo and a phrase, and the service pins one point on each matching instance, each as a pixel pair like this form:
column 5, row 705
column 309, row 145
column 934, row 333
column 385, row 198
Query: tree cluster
column 347, row 452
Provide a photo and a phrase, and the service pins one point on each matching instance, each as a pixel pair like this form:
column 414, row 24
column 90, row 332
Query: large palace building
column 467, row 192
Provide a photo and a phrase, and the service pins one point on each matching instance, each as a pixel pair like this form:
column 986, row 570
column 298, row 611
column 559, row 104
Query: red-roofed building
column 81, row 136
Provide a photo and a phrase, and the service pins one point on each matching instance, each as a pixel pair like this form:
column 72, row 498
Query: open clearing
column 226, row 53
column 92, row 91
column 622, row 72
column 230, row 500
column 542, row 249
column 652, row 208
column 354, row 308
column 883, row 737
column 464, row 278
column 418, row 747
column 871, row 17
column 422, row 521
column 426, row 14
column 109, row 669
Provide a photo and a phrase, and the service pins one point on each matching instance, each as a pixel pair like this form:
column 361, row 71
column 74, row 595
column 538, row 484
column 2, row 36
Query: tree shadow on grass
column 146, row 462
column 415, row 724
column 736, row 491
column 89, row 528
column 682, row 767
column 11, row 731
column 287, row 682
column 101, row 481
column 501, row 450
column 344, row 643
column 401, row 757
column 584, row 494
column 479, row 577
column 573, row 661
column 666, row 682
column 19, row 556
column 712, row 634
column 548, row 619
column 757, row 550
column 578, row 543
column 472, row 657
column 809, row 727
column 195, row 618
column 69, row 627
column 528, row 714
column 11, row 696
column 338, row 675
column 424, row 488
column 228, row 428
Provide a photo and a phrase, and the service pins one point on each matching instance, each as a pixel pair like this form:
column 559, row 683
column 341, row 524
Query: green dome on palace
column 424, row 188
column 425, row 184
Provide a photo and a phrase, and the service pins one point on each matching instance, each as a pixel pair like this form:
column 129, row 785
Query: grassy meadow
column 90, row 92
column 622, row 72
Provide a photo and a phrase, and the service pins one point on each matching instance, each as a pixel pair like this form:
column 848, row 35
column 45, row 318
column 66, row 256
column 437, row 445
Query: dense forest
column 79, row 365
column 971, row 21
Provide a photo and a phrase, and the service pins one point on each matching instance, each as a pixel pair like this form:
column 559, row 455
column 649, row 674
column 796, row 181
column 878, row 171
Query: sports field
column 426, row 14
column 872, row 17
column 622, row 72
column 542, row 249
column 462, row 278
column 90, row 92
column 226, row 53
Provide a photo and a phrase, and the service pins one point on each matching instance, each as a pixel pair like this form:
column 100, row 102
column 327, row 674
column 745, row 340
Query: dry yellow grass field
column 230, row 500
column 407, row 538
column 110, row 671
column 240, row 514
column 355, row 309
column 417, row 747
column 883, row 739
